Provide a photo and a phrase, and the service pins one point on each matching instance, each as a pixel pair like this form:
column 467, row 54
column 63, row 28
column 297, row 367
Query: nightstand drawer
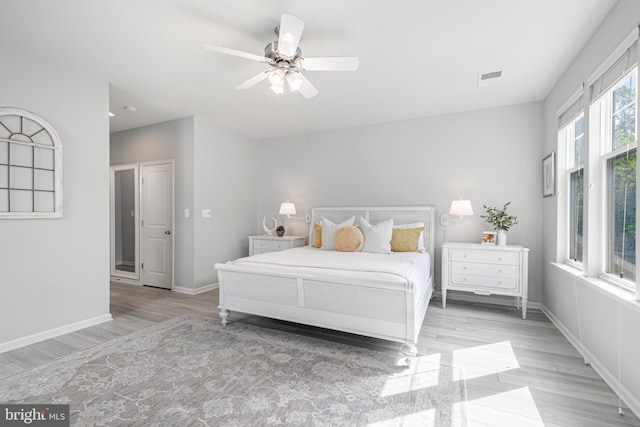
column 485, row 257
column 270, row 245
column 487, row 283
column 477, row 269
column 262, row 244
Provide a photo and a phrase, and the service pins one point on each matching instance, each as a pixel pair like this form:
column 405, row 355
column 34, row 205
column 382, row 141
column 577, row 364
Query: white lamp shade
column 461, row 208
column 287, row 208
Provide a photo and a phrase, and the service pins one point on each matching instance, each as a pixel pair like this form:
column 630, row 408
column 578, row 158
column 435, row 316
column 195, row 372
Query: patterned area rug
column 192, row 371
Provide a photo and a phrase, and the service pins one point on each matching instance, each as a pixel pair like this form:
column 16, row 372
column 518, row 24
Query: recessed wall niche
column 30, row 166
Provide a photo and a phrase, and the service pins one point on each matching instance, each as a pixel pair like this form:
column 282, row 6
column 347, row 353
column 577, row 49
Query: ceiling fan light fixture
column 286, row 61
column 277, row 89
column 276, row 77
column 294, row 81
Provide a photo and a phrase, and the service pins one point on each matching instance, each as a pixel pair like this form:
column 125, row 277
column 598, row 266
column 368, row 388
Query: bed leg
column 410, row 350
column 224, row 316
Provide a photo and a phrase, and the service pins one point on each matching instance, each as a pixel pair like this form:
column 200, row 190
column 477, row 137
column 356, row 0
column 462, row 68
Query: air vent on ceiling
column 491, row 78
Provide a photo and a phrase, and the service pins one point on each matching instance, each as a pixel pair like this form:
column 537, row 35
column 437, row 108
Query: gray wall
column 169, row 140
column 224, row 164
column 225, row 168
column 598, row 309
column 488, row 156
column 55, row 272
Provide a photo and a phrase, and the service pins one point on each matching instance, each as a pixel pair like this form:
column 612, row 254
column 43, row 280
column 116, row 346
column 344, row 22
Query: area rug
column 192, row 371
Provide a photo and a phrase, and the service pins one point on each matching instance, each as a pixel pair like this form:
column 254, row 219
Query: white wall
column 598, row 309
column 488, row 156
column 225, row 182
column 168, row 140
column 55, row 272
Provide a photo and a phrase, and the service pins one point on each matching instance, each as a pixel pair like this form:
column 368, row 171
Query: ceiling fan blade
column 307, row 89
column 289, row 35
column 253, row 80
column 337, row 63
column 234, row 52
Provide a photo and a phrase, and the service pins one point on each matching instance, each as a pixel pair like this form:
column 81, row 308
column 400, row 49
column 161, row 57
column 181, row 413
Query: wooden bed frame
column 369, row 308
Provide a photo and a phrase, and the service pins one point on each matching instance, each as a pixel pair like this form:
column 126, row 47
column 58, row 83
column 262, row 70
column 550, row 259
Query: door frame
column 173, row 216
column 112, row 220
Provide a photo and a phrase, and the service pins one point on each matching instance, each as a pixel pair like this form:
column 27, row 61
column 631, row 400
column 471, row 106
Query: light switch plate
column 206, row 213
column 186, row 213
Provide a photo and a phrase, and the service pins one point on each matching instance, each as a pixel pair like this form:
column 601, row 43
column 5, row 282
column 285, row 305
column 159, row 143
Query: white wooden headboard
column 400, row 215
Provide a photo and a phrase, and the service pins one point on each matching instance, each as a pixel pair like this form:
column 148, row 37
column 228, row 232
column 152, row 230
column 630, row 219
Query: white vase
column 502, row 238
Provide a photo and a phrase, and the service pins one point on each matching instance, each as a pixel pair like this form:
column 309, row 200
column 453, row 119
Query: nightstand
column 266, row 243
column 486, row 270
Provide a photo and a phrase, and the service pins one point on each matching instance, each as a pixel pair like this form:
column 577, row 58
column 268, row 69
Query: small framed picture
column 488, row 238
column 549, row 175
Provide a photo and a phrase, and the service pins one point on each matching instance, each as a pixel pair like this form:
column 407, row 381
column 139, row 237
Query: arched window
column 30, row 166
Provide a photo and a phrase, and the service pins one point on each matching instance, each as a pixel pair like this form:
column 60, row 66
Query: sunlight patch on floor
column 422, row 372
column 512, row 408
column 475, row 362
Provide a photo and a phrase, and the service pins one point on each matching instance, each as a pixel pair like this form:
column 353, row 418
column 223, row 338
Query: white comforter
column 405, row 266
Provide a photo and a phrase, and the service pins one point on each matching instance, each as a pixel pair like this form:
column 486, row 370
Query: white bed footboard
column 370, row 309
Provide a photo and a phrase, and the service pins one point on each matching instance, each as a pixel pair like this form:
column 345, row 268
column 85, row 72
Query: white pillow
column 377, row 238
column 421, row 247
column 329, row 230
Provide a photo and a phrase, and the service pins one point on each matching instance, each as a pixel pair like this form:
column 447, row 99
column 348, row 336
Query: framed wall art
column 549, row 175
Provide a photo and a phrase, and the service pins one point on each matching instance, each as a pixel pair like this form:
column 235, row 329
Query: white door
column 157, row 224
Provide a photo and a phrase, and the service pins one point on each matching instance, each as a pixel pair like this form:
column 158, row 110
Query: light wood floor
column 518, row 372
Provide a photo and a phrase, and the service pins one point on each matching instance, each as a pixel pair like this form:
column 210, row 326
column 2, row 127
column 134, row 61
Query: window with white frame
column 598, row 145
column 571, row 155
column 575, row 182
column 617, row 140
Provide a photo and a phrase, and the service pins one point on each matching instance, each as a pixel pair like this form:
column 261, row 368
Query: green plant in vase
column 500, row 220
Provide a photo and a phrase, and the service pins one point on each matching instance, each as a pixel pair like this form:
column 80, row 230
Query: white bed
column 378, row 295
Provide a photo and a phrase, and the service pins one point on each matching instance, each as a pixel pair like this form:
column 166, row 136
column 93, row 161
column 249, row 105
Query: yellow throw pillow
column 317, row 236
column 349, row 239
column 405, row 239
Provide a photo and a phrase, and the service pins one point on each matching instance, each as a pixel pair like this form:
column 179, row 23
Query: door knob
column 167, row 232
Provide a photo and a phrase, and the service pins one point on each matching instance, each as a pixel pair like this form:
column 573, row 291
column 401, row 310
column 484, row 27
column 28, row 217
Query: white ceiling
column 417, row 57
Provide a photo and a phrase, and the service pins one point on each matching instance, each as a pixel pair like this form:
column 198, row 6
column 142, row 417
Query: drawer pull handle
column 464, row 268
column 499, row 270
column 499, row 259
column 499, row 282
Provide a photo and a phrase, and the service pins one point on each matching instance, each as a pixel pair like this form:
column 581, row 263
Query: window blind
column 615, row 72
column 571, row 112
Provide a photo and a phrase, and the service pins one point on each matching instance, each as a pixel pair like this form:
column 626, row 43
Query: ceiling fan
column 286, row 61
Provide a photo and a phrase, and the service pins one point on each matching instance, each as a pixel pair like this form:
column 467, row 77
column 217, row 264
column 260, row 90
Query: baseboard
column 125, row 280
column 52, row 333
column 487, row 299
column 196, row 291
column 612, row 381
